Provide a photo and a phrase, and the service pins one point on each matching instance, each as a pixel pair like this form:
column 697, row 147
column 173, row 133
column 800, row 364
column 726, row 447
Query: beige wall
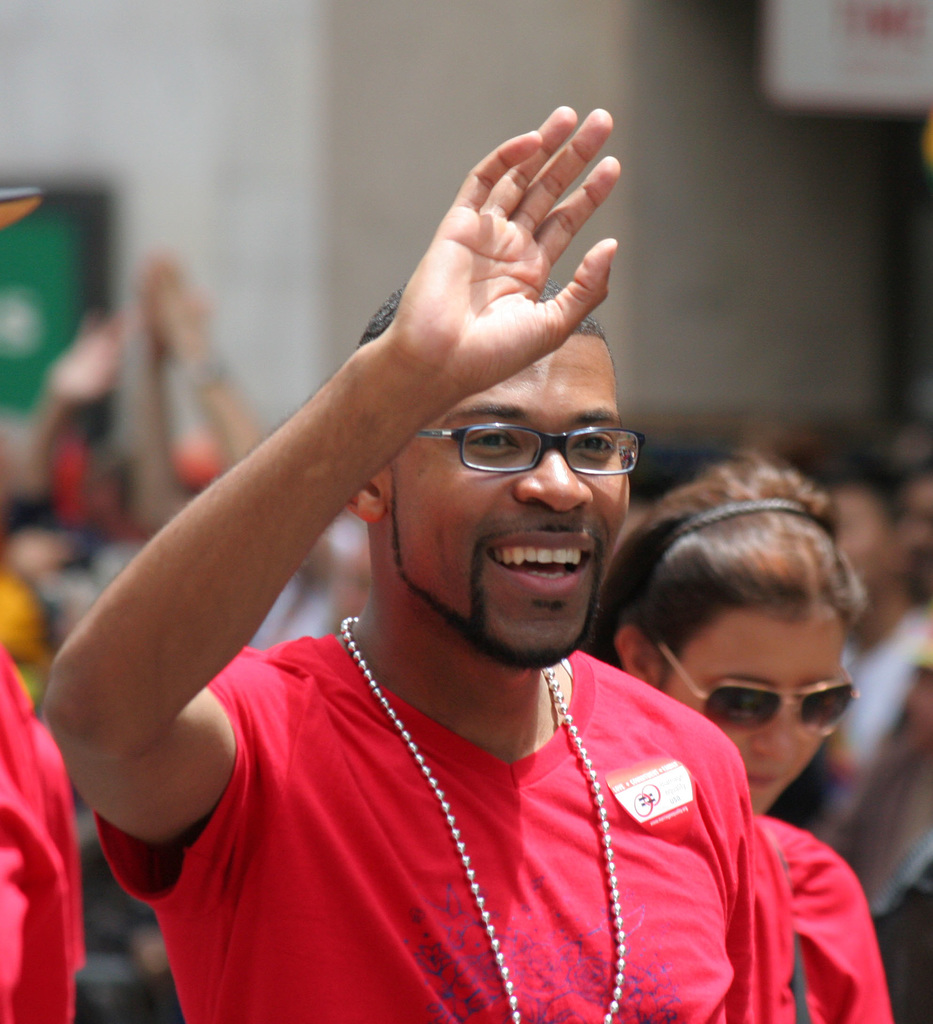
column 757, row 235
column 418, row 93
column 749, row 271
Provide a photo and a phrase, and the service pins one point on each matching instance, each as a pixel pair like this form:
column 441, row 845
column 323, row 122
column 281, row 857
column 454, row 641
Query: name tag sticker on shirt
column 658, row 794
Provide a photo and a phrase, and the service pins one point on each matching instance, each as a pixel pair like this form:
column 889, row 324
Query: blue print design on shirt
column 551, row 974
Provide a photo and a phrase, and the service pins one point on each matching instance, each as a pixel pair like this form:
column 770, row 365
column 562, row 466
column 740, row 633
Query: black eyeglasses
column 502, row 448
column 747, row 705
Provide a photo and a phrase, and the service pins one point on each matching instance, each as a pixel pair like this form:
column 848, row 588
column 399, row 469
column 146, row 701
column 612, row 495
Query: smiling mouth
column 542, row 561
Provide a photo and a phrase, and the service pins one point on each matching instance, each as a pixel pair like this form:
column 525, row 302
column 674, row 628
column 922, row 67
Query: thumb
column 589, row 287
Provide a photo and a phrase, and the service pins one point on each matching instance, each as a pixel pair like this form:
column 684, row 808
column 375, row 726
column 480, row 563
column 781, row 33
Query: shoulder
column 631, row 703
column 281, row 672
column 797, row 844
column 267, row 694
column 633, row 723
column 29, row 759
column 820, row 878
column 845, row 976
column 14, row 703
column 612, row 682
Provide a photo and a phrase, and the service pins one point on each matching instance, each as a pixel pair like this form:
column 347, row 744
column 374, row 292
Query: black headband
column 729, row 511
column 628, row 584
column 671, row 532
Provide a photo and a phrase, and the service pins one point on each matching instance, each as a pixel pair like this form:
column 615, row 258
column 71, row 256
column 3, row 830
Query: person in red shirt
column 41, row 932
column 41, row 935
column 732, row 596
column 435, row 815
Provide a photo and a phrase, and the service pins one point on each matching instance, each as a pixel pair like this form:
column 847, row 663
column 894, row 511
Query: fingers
column 90, row 368
column 559, row 174
column 175, row 314
column 523, row 178
column 484, row 177
column 566, row 219
column 511, row 189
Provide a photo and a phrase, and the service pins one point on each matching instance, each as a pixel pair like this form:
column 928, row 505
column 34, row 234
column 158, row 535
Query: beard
column 476, row 629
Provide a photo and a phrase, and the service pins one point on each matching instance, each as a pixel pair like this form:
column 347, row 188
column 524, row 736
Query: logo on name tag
column 658, row 794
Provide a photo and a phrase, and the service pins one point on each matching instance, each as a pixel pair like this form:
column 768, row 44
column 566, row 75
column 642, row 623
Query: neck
column 505, row 711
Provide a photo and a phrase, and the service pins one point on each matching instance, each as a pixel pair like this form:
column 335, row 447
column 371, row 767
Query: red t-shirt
column 818, row 896
column 326, row 886
column 41, row 937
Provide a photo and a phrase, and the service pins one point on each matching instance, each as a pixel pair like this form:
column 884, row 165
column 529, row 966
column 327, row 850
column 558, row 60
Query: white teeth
column 569, row 556
column 542, row 556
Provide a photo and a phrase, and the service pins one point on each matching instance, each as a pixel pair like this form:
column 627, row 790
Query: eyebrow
column 492, row 412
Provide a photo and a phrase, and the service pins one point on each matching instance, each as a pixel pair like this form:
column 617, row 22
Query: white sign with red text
column 849, row 56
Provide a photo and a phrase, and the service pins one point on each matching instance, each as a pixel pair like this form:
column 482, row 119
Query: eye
column 598, row 442
column 495, row 447
column 825, row 708
column 742, row 705
column 594, row 446
column 490, row 439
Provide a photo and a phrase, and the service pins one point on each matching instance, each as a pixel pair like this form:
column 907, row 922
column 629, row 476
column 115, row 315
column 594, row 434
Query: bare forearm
column 232, row 420
column 156, row 492
column 34, row 478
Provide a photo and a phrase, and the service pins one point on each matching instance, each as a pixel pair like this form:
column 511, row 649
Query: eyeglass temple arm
column 675, row 664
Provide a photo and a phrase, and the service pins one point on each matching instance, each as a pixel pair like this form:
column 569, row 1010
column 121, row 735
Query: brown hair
column 745, row 534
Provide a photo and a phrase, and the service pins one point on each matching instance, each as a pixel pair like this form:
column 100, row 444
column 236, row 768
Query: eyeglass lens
column 591, row 449
column 751, row 707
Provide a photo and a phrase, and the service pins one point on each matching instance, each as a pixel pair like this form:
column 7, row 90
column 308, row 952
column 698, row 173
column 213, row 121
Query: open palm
column 470, row 312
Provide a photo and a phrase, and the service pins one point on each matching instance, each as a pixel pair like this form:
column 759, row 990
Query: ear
column 639, row 656
column 372, row 502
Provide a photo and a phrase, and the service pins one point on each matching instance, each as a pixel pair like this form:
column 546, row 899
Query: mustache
column 540, row 525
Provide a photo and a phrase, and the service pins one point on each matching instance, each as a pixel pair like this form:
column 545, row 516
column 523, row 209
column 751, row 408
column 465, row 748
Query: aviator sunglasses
column 747, row 705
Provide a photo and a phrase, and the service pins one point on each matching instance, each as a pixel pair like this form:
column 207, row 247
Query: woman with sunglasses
column 731, row 595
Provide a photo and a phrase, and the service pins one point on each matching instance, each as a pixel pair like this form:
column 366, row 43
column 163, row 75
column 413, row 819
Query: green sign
column 40, row 300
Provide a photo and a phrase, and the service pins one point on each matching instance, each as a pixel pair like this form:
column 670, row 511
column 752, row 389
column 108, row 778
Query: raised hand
column 174, row 315
column 89, row 369
column 470, row 313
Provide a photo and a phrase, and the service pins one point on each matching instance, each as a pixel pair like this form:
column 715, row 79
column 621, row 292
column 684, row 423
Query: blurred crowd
column 102, row 464
column 107, row 457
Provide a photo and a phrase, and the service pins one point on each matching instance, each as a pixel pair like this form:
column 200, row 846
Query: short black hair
column 385, row 314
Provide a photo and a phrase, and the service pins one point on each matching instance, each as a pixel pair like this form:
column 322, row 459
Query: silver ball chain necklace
column 589, row 773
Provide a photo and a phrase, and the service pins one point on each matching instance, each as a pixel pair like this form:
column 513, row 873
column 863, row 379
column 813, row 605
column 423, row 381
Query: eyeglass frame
column 546, row 443
column 795, row 698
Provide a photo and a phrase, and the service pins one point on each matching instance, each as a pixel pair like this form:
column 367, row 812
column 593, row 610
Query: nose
column 553, row 483
column 778, row 740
